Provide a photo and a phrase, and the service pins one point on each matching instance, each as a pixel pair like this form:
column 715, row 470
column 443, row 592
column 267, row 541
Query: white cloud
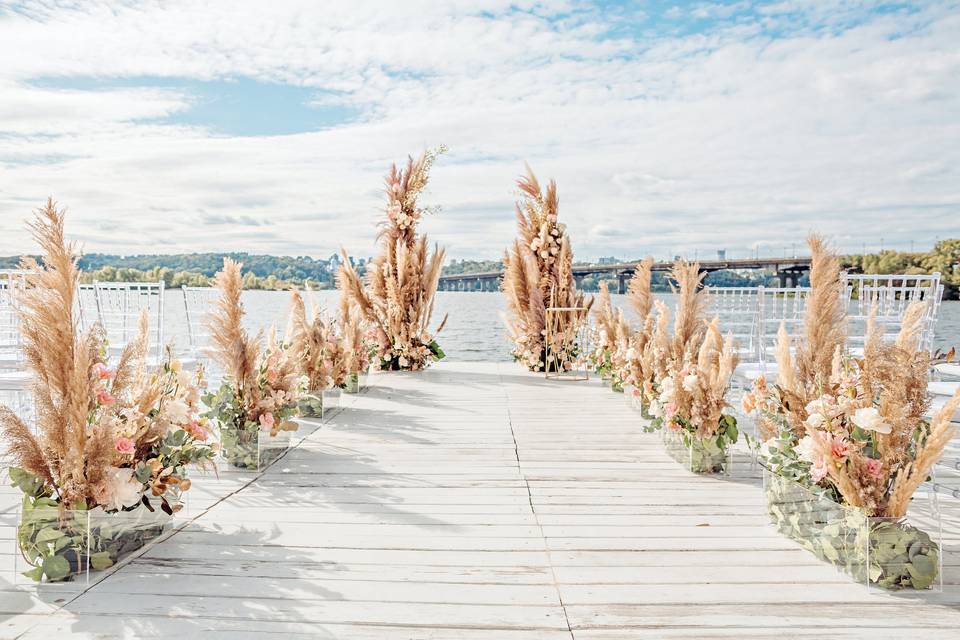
column 727, row 137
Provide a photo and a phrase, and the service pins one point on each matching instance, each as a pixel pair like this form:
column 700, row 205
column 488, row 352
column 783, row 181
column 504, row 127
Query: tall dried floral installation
column 108, row 460
column 538, row 273
column 396, row 297
column 850, row 432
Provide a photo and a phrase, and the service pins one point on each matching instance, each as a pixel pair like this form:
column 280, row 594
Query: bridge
column 788, row 270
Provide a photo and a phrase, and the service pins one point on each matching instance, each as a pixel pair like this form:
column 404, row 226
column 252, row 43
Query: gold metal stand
column 566, row 343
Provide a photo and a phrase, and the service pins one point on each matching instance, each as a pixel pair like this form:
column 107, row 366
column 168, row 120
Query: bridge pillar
column 621, row 282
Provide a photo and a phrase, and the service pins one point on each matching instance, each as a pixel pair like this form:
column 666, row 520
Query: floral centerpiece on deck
column 850, row 433
column 692, row 383
column 538, row 273
column 612, row 333
column 261, row 386
column 398, row 293
column 107, row 463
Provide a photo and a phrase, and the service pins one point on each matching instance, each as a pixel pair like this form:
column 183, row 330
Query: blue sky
column 671, row 128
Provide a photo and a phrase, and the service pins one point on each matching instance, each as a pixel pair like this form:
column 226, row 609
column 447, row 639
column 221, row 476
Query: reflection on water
column 475, row 330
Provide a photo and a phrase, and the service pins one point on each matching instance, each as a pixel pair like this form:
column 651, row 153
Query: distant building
column 721, row 254
column 608, row 260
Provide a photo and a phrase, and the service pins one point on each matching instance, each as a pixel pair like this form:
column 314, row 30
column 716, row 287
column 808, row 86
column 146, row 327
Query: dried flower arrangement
column 108, row 464
column 398, row 294
column 850, row 433
column 260, row 387
column 635, row 370
column 538, row 273
column 691, row 393
column 329, row 355
column 610, row 335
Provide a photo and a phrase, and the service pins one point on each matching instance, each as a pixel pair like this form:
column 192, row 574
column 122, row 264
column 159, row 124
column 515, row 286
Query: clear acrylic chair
column 197, row 302
column 119, row 305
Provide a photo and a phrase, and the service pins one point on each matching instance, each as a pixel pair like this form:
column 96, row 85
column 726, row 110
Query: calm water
column 475, row 330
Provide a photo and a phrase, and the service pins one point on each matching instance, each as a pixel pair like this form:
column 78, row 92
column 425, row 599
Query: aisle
column 475, row 501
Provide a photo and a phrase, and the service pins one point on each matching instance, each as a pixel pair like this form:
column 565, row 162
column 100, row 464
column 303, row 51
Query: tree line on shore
column 284, row 272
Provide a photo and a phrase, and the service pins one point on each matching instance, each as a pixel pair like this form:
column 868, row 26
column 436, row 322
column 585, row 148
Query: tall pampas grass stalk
column 538, row 273
column 115, row 438
column 262, row 383
column 397, row 295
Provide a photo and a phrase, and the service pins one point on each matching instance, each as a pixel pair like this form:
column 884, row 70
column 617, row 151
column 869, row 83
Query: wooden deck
column 475, row 501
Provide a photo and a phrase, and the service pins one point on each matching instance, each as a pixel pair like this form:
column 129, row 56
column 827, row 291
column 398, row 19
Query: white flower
column 631, row 354
column 121, row 489
column 816, row 420
column 804, row 449
column 690, row 383
column 666, row 387
column 655, row 409
column 821, row 405
column 870, row 419
column 177, row 411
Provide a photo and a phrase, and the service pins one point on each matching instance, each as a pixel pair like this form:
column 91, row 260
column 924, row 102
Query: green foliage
column 889, row 553
column 60, row 544
column 702, row 455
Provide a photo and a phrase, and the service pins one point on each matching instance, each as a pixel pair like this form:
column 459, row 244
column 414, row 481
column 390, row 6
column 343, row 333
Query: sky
column 670, row 128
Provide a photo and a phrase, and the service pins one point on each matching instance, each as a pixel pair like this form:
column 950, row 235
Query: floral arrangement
column 851, row 432
column 260, row 387
column 397, row 296
column 328, row 355
column 611, row 335
column 538, row 273
column 634, row 370
column 112, row 443
column 685, row 378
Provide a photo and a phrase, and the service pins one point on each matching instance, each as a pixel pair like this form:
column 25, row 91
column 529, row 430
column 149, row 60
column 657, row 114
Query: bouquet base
column 356, row 383
column 892, row 553
column 70, row 546
column 697, row 455
column 252, row 449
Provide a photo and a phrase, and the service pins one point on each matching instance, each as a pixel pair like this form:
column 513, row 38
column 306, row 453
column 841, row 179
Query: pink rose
column 266, row 420
column 272, row 375
column 839, row 448
column 819, row 470
column 874, row 468
column 104, row 397
column 125, row 445
column 328, row 364
column 672, row 409
column 196, row 431
column 101, row 372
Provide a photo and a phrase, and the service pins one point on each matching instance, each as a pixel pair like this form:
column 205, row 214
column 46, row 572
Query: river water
column 475, row 330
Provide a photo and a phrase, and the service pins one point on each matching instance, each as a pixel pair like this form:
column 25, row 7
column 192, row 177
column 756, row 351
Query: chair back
column 891, row 295
column 119, row 305
column 12, row 281
column 197, row 302
column 738, row 309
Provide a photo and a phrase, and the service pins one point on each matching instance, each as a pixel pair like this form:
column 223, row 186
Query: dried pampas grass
column 397, row 295
column 538, row 273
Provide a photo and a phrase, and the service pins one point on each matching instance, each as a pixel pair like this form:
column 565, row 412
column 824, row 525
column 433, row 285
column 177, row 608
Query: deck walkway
column 475, row 501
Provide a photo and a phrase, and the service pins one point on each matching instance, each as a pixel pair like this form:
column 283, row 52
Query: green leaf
column 101, row 561
column 56, row 567
column 48, row 534
column 35, row 574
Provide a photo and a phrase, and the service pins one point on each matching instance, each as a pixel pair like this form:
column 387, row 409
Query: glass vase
column 57, row 545
column 697, row 455
column 252, row 448
column 889, row 553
